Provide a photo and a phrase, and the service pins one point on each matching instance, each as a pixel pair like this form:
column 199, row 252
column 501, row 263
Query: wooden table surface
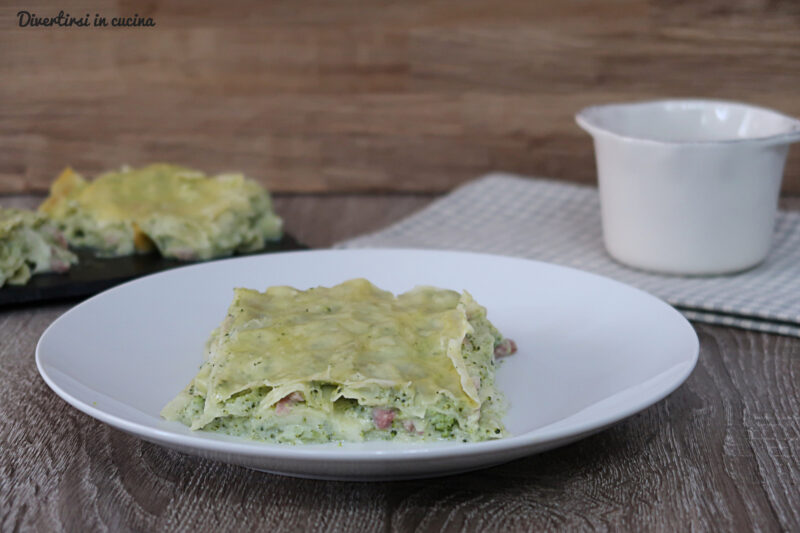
column 721, row 453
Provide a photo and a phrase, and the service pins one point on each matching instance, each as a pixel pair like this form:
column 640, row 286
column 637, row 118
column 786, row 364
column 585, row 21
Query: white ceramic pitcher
column 689, row 186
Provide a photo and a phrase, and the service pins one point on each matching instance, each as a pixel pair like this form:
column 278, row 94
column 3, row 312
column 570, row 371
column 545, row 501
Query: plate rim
column 257, row 449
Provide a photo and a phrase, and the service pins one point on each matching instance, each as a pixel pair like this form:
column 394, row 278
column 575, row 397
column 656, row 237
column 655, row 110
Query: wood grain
column 719, row 454
column 363, row 96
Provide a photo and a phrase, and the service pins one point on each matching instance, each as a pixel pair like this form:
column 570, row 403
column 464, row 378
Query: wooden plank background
column 365, row 95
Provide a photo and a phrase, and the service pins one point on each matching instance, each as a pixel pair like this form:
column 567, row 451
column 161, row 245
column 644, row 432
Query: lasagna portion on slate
column 30, row 244
column 182, row 213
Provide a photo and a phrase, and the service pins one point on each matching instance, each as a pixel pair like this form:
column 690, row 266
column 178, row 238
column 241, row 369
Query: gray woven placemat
column 560, row 223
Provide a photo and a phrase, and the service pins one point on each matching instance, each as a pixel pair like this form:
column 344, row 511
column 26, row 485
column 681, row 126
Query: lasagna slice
column 181, row 212
column 348, row 363
column 30, row 244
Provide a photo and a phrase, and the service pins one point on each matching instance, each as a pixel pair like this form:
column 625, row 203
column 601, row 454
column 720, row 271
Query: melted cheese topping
column 161, row 189
column 354, row 335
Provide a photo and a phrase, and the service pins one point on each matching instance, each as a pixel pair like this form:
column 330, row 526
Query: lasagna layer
column 349, row 362
column 30, row 244
column 183, row 213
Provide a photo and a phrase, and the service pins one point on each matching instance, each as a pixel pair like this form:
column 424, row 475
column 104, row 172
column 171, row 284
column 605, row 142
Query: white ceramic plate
column 592, row 351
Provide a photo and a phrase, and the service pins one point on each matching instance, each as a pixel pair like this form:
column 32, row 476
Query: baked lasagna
column 181, row 212
column 349, row 363
column 30, row 244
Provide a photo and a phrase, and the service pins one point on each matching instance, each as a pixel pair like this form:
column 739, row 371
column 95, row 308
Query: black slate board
column 95, row 274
